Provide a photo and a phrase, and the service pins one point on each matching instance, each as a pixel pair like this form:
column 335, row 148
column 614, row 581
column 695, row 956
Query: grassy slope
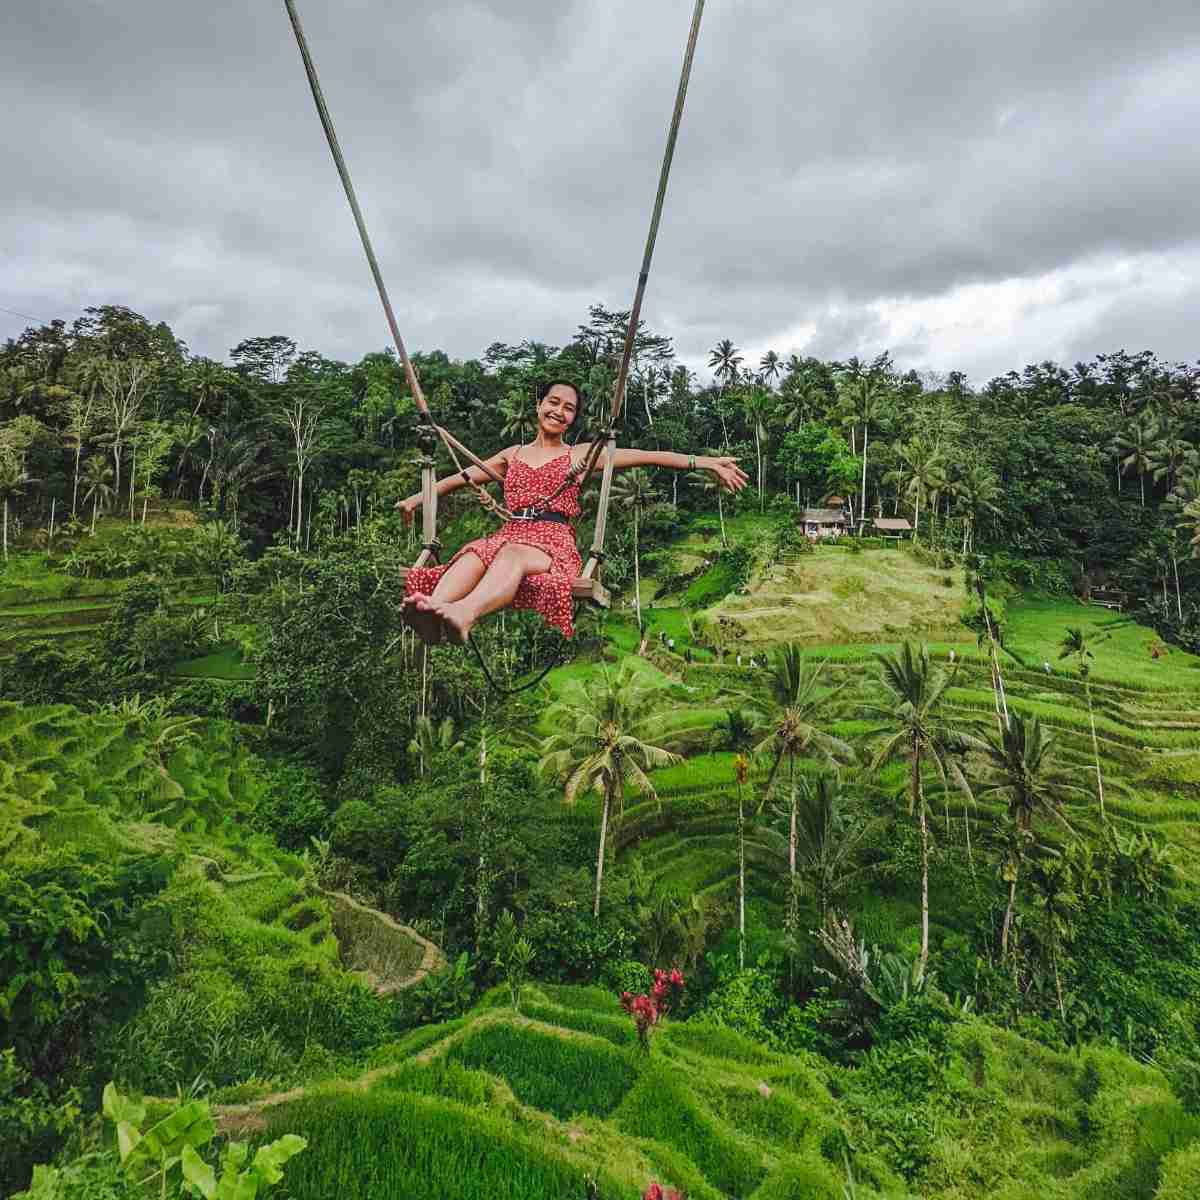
column 530, row 1107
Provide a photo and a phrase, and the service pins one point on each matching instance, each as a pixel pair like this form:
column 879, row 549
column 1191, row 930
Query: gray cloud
column 833, row 156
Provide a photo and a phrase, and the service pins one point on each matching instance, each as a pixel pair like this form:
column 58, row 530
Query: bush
column 292, row 807
column 628, row 976
column 34, row 1123
column 1179, row 1175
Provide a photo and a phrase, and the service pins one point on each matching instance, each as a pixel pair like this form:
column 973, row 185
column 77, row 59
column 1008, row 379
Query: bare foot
column 416, row 612
column 456, row 623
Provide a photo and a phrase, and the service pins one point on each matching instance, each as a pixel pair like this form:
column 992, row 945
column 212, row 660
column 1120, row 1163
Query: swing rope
column 584, row 470
column 606, row 438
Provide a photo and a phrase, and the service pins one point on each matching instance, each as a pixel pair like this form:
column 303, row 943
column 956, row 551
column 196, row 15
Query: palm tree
column 603, row 745
column 96, row 475
column 710, row 483
column 741, row 769
column 977, row 489
column 1058, row 897
column 726, row 362
column 920, row 472
column 727, row 366
column 863, row 397
column 1168, row 452
column 1075, row 645
column 13, row 480
column 771, row 367
column 800, row 697
column 915, row 690
column 826, row 841
column 635, row 490
column 515, row 411
column 1019, row 765
column 758, row 404
column 430, row 740
column 1131, row 446
column 234, row 463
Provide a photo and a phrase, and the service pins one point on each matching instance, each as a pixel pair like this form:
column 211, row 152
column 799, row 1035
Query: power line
column 26, row 316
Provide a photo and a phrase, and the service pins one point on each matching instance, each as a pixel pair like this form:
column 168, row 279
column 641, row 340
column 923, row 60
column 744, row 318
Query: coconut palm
column 1075, row 644
column 1057, row 891
column 915, row 690
column 920, row 472
column 96, row 475
column 603, row 744
column 13, row 480
column 708, row 482
column 634, row 489
column 515, row 411
column 862, row 397
column 726, row 362
column 800, row 697
column 827, row 839
column 1132, row 448
column 741, row 770
column 770, row 366
column 1020, row 766
column 977, row 490
column 430, row 740
column 758, row 404
column 1169, row 450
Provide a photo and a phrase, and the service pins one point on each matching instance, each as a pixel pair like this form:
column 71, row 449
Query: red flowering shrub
column 656, row 1192
column 648, row 1010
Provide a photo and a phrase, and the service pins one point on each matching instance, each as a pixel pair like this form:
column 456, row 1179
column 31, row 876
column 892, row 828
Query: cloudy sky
column 972, row 186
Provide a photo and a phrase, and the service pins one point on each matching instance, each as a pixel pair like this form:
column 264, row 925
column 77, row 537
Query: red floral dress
column 546, row 592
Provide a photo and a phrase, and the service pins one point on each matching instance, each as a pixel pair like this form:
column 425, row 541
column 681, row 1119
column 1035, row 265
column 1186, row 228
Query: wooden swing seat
column 582, row 588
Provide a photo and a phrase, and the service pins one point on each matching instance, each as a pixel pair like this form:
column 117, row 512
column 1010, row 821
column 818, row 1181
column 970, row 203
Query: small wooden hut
column 892, row 527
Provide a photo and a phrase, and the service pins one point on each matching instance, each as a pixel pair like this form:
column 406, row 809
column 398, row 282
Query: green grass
column 397, row 1146
column 562, row 1075
column 225, row 663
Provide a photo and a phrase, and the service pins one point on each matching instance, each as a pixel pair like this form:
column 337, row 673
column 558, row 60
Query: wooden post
column 597, row 551
column 429, row 538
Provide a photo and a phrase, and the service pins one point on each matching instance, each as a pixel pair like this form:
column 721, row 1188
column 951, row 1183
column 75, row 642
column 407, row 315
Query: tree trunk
column 95, row 505
column 919, row 807
column 75, row 483
column 741, row 836
column 1178, row 597
column 600, row 852
column 862, row 508
column 1008, row 915
column 53, row 505
column 721, row 515
column 758, row 456
column 132, row 480
column 6, row 529
column 637, row 571
column 1095, row 747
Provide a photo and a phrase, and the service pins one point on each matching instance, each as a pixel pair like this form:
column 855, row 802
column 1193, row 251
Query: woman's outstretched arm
column 498, row 463
column 725, row 469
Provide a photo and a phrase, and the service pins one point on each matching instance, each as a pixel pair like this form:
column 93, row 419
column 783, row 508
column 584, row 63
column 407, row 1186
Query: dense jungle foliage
column 932, row 883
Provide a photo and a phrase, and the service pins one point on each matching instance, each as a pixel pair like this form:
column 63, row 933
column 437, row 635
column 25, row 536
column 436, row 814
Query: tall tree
column 1019, row 764
column 863, row 397
column 96, row 475
column 758, row 405
column 606, row 743
column 125, row 383
column 770, row 367
column 1132, row 448
column 800, row 699
column 1075, row 644
column 635, row 490
column 915, row 691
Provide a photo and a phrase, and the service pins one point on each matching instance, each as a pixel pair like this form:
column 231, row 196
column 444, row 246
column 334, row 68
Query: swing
column 587, row 587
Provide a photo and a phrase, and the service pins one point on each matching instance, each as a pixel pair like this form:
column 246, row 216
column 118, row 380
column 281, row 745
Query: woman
column 527, row 563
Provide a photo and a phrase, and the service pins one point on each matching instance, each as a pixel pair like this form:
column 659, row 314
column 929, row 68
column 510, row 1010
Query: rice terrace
column 723, row 723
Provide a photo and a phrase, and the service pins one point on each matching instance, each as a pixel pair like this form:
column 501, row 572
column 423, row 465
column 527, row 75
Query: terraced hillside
column 1147, row 715
column 264, row 968
column 558, row 1101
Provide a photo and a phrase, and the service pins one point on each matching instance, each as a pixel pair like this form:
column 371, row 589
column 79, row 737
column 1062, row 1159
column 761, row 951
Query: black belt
column 537, row 514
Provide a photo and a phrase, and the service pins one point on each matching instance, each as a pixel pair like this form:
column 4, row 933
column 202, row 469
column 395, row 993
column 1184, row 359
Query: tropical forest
column 850, row 850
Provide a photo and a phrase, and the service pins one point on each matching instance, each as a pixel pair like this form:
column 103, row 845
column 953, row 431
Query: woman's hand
column 407, row 507
column 728, row 472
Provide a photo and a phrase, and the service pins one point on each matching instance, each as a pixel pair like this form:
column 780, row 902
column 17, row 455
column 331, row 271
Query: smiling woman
column 532, row 560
